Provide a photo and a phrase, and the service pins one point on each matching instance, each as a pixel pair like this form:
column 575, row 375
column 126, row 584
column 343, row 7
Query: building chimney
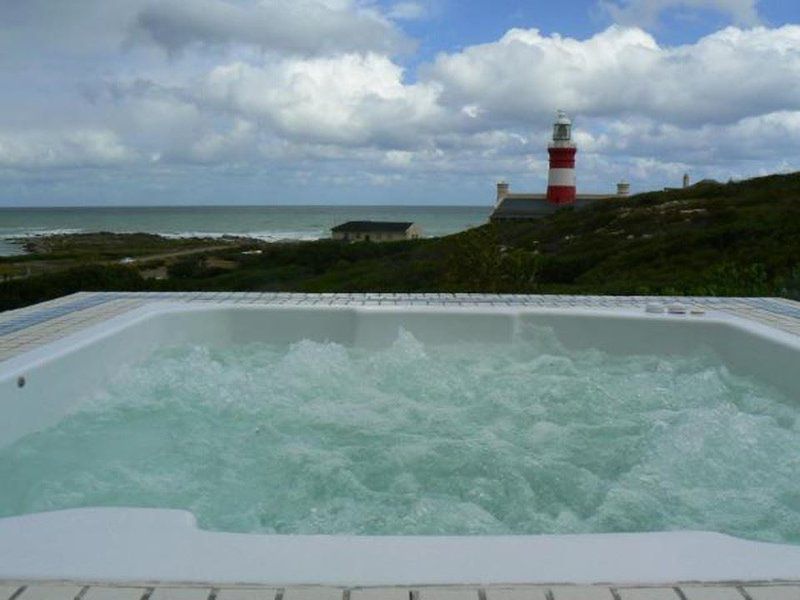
column 623, row 188
column 502, row 190
column 685, row 180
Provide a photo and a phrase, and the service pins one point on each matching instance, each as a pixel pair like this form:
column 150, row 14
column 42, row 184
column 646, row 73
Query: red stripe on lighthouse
column 560, row 194
column 561, row 185
column 562, row 158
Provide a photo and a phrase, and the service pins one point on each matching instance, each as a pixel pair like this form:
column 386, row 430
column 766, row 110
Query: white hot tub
column 117, row 542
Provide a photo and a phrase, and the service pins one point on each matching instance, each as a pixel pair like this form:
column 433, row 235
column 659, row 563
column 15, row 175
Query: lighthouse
column 561, row 180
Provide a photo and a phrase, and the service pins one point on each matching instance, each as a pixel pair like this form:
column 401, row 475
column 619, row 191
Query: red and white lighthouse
column 561, row 181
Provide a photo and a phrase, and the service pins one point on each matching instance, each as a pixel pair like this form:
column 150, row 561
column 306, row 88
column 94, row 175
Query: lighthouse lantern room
column 562, row 150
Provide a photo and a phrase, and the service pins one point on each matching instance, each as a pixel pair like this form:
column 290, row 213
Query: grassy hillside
column 711, row 239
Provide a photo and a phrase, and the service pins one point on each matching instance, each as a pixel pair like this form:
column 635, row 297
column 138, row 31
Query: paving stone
column 652, row 593
column 114, row 593
column 389, row 593
column 246, row 593
column 313, row 593
column 709, row 592
column 6, row 590
column 181, row 593
column 516, row 593
column 774, row 592
column 50, row 592
column 581, row 592
column 449, row 593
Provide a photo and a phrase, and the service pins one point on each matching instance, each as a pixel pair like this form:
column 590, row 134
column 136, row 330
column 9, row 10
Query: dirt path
column 164, row 255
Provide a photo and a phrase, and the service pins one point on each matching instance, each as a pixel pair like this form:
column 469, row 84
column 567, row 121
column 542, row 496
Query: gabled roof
column 370, row 226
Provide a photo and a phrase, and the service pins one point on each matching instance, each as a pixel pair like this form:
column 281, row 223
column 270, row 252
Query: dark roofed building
column 533, row 206
column 511, row 206
column 375, row 231
column 522, row 206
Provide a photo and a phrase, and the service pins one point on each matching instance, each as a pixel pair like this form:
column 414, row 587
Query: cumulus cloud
column 235, row 144
column 484, row 109
column 350, row 99
column 646, row 12
column 723, row 77
column 77, row 148
column 408, row 11
column 295, row 26
column 759, row 137
column 99, row 28
column 81, row 27
column 363, row 99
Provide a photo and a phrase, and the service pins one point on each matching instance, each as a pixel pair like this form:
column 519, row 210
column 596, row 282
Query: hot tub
column 400, row 445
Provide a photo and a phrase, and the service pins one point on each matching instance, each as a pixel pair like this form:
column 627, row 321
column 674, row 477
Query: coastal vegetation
column 739, row 239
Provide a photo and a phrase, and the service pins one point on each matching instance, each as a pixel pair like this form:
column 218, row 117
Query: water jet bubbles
column 415, row 438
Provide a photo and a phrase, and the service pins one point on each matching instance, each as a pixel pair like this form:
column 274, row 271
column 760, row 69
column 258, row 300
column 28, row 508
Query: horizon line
column 247, row 206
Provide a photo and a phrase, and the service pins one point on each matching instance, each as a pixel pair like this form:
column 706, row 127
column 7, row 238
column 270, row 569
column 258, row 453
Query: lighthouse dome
column 563, row 119
column 562, row 128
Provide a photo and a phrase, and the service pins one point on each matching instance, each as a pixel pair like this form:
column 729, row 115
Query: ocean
column 269, row 223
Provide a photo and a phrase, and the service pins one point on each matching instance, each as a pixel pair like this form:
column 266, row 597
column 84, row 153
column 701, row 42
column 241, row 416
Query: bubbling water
column 517, row 438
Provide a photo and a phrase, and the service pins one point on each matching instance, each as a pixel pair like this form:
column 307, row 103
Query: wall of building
column 412, row 233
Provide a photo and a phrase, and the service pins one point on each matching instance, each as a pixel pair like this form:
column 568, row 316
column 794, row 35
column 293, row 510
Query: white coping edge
column 119, row 544
column 83, row 337
column 113, row 544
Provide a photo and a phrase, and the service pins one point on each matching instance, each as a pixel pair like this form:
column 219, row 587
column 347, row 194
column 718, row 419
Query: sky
column 419, row 102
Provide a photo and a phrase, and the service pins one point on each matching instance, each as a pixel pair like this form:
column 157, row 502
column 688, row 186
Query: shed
column 375, row 231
